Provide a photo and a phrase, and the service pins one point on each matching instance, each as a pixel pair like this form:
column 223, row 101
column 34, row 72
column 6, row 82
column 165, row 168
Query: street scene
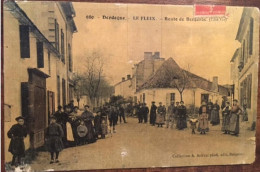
column 108, row 86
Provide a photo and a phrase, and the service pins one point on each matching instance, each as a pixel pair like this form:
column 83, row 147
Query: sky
column 206, row 46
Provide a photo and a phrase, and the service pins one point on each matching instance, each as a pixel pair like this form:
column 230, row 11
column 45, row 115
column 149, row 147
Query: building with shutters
column 244, row 63
column 153, row 80
column 38, row 64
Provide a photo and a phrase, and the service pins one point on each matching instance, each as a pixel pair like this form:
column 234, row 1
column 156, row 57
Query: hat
column 75, row 107
column 177, row 102
column 59, row 107
column 86, row 106
column 153, row 101
column 52, row 117
column 160, row 102
column 182, row 102
column 18, row 118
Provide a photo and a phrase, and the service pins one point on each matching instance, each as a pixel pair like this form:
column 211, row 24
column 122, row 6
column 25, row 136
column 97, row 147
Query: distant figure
column 244, row 113
column 215, row 114
column 210, row 107
column 176, row 113
column 88, row 117
column 144, row 112
column 234, row 118
column 182, row 116
column 122, row 113
column 200, row 113
column 160, row 116
column 170, row 115
column 74, row 120
column 54, row 144
column 97, row 123
column 112, row 118
column 139, row 113
column 71, row 105
column 193, row 123
column 226, row 118
column 203, row 119
column 153, row 113
column 17, row 133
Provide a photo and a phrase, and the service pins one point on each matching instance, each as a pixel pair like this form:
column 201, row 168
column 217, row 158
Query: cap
column 18, row 118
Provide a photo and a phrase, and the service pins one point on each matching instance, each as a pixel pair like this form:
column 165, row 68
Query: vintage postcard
column 114, row 85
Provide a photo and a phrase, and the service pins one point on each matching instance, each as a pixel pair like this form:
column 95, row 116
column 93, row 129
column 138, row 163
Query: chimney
column 215, row 84
column 123, row 78
column 128, row 77
column 156, row 55
column 148, row 55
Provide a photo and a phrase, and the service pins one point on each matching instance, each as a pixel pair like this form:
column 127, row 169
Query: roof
column 235, row 54
column 69, row 11
column 243, row 22
column 170, row 70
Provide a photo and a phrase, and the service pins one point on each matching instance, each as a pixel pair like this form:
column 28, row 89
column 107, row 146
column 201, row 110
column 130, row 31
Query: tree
column 90, row 81
column 179, row 79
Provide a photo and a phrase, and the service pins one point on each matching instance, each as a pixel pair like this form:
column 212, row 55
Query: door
column 51, row 104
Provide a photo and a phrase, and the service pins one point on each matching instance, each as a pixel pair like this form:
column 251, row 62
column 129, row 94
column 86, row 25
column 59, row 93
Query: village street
column 143, row 145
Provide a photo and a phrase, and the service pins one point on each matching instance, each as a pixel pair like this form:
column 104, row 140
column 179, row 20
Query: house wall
column 124, row 89
column 190, row 96
column 15, row 67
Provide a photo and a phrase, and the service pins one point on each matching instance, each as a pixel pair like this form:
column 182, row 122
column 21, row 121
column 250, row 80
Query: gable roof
column 170, row 70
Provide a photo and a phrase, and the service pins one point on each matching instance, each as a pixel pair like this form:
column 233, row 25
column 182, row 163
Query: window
column 205, row 98
column 63, row 92
column 70, row 58
column 251, row 33
column 172, row 99
column 49, row 62
column 246, row 91
column 62, row 47
column 24, row 41
column 58, row 89
column 57, row 36
column 40, row 56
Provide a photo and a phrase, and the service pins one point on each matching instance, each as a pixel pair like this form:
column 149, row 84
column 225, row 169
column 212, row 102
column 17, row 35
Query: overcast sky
column 206, row 46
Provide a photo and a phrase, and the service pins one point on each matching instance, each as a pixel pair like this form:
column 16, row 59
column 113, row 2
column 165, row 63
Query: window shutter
column 40, row 56
column 251, row 36
column 24, row 41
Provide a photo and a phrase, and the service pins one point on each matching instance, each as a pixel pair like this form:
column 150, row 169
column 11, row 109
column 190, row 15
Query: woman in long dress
column 215, row 114
column 203, row 120
column 234, row 119
column 226, row 118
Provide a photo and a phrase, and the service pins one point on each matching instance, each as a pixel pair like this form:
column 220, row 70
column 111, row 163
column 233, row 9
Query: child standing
column 193, row 123
column 17, row 133
column 53, row 137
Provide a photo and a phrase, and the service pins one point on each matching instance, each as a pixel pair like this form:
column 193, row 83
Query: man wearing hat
column 153, row 113
column 145, row 111
column 17, row 133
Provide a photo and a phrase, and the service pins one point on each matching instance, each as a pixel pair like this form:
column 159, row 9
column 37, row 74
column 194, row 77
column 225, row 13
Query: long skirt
column 225, row 122
column 159, row 118
column 90, row 137
column 152, row 118
column 17, row 147
column 54, row 144
column 181, row 123
column 203, row 122
column 69, row 132
column 215, row 117
column 234, row 123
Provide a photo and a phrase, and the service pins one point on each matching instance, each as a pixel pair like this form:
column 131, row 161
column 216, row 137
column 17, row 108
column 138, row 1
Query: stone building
column 244, row 63
column 38, row 64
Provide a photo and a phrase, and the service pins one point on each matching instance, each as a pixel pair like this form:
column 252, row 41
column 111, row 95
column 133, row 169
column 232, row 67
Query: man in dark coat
column 122, row 113
column 17, row 133
column 139, row 113
column 153, row 113
column 112, row 117
column 144, row 111
column 54, row 144
column 88, row 117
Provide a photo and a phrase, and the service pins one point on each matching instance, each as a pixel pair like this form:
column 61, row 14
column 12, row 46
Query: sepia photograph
column 117, row 86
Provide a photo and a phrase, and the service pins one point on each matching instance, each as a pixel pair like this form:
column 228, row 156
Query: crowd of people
column 175, row 116
column 68, row 126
